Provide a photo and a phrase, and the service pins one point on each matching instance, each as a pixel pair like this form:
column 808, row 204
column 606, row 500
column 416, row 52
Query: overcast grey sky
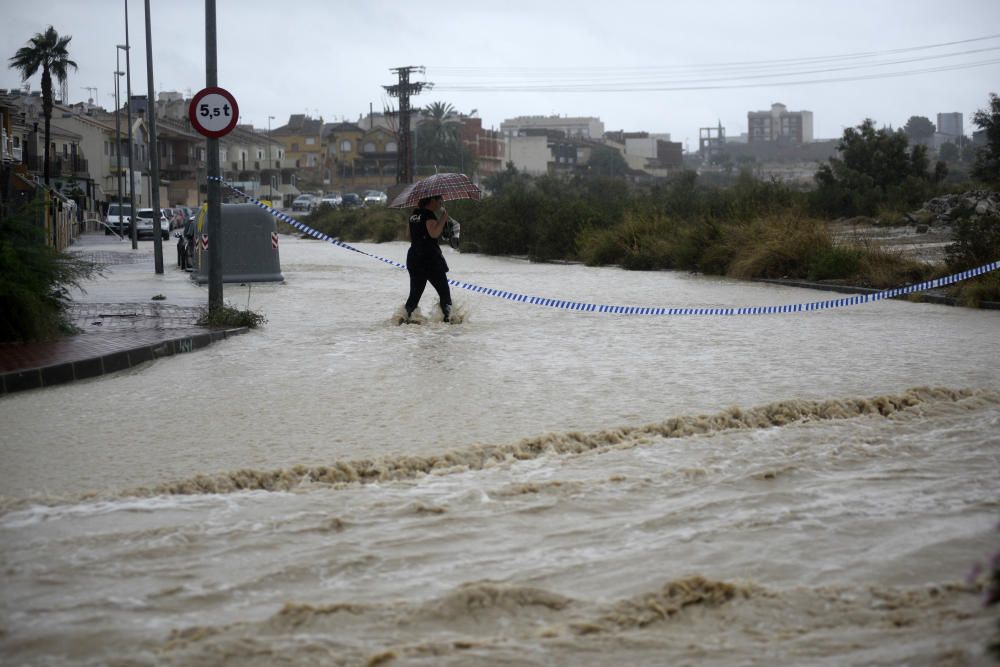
column 655, row 66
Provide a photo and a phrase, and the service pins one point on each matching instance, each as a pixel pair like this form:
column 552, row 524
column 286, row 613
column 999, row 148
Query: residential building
column 780, row 125
column 302, row 138
column 530, row 153
column 585, row 127
column 183, row 164
column 486, row 146
column 343, row 150
column 950, row 124
column 11, row 130
column 950, row 129
column 250, row 158
column 644, row 151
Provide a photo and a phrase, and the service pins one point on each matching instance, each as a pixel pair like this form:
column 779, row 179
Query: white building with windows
column 586, row 127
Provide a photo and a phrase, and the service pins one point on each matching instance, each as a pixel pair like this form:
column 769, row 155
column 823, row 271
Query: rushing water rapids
column 529, row 487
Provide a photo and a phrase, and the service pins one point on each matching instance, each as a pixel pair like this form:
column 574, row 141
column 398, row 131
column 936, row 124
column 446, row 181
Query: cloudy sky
column 665, row 66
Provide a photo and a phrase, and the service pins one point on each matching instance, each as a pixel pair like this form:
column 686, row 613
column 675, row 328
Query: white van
column 119, row 219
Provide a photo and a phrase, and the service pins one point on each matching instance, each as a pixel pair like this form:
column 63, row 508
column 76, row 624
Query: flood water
column 530, row 486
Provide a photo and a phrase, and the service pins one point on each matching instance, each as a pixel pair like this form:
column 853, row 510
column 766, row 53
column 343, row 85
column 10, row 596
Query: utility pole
column 403, row 90
column 270, row 164
column 131, row 150
column 118, row 145
column 154, row 152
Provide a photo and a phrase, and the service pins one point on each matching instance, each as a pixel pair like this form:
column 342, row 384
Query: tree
column 919, row 129
column 949, row 152
column 439, row 138
column 46, row 51
column 875, row 168
column 606, row 161
column 987, row 164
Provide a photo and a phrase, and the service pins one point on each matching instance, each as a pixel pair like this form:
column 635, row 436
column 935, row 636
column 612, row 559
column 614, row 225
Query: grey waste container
column 249, row 246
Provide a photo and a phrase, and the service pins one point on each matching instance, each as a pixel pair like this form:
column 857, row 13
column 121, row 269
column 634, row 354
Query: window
column 295, row 148
column 310, row 141
column 260, row 154
column 369, row 147
column 391, row 147
column 107, row 148
column 345, row 146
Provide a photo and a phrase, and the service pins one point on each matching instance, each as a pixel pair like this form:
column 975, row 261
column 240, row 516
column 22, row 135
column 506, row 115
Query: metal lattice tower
column 403, row 90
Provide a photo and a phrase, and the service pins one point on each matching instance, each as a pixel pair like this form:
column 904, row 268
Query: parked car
column 145, row 224
column 306, row 203
column 118, row 219
column 351, row 200
column 331, row 199
column 376, row 198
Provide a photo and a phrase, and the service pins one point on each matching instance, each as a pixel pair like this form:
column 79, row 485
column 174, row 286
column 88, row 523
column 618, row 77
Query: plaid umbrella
column 448, row 186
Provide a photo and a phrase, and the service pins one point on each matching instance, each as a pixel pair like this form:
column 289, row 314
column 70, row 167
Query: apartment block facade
column 780, row 125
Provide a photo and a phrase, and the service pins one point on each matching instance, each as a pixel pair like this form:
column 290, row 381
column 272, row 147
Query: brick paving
column 112, row 336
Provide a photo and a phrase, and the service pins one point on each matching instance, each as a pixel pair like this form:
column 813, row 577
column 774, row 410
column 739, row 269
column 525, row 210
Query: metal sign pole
column 154, row 152
column 214, row 212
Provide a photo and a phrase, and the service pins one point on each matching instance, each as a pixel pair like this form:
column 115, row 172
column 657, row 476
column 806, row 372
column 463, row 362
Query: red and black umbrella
column 446, row 186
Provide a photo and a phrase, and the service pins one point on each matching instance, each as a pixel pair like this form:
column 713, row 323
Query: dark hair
column 426, row 200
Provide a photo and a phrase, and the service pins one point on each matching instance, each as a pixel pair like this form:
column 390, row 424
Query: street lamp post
column 270, row 165
column 154, row 152
column 118, row 147
column 128, row 119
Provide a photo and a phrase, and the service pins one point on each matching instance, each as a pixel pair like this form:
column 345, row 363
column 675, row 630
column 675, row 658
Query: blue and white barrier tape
column 637, row 310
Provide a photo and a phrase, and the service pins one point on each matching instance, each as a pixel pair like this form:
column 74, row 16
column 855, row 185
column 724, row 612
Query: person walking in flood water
column 424, row 260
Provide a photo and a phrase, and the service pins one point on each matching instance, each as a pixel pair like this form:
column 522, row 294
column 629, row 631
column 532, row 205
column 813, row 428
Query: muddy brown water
column 531, row 486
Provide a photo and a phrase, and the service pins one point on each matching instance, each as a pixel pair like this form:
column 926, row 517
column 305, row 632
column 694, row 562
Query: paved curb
column 55, row 374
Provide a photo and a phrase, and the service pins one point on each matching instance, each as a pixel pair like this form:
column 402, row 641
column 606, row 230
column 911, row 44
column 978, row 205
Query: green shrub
column 35, row 279
column 775, row 247
column 882, row 268
column 834, row 263
column 599, row 247
column 974, row 292
column 977, row 242
column 229, row 316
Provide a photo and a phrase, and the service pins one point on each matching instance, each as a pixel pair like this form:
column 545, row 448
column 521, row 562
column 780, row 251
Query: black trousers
column 427, row 270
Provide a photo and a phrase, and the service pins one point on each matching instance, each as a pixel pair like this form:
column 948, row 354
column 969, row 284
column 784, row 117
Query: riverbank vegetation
column 750, row 228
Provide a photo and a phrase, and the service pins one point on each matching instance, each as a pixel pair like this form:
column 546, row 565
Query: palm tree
column 439, row 135
column 47, row 51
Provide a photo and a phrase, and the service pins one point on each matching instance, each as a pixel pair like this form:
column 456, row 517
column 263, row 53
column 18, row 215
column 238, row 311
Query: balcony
column 114, row 164
column 181, row 167
column 58, row 165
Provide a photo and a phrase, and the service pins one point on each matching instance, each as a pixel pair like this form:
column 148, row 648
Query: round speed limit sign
column 214, row 112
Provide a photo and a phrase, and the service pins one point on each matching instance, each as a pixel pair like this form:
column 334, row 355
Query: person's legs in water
column 440, row 283
column 418, row 281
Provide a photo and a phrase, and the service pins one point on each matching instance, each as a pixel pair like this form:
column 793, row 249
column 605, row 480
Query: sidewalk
column 121, row 325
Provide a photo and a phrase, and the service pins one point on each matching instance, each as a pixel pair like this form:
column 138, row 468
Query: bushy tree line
column 876, row 169
column 749, row 228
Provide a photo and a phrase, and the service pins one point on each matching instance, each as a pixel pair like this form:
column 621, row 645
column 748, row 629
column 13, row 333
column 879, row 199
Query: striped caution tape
column 638, row 310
